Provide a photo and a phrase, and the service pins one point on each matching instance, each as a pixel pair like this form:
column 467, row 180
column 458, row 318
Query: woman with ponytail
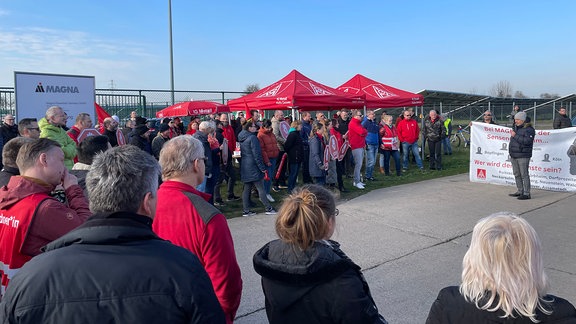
column 306, row 278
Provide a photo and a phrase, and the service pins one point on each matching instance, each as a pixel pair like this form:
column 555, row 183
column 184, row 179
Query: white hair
column 503, row 268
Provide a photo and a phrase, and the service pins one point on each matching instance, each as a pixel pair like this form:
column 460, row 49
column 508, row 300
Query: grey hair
column 207, row 126
column 52, row 111
column 120, row 178
column 178, row 155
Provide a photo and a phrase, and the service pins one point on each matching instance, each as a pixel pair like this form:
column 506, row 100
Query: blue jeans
column 371, row 151
column 270, row 169
column 294, row 168
column 396, row 156
column 406, row 148
column 446, row 144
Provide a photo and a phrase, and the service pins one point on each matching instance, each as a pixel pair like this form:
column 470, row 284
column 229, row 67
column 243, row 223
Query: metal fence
column 462, row 108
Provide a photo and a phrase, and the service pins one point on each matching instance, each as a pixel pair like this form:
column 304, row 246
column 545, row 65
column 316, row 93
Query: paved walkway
column 410, row 241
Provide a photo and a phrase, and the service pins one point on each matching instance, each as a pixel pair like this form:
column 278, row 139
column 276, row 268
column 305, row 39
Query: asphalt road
column 410, row 241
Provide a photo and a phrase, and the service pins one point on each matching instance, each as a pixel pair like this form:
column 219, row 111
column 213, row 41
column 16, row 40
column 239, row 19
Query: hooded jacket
column 318, row 285
column 113, row 269
column 252, row 167
column 58, row 134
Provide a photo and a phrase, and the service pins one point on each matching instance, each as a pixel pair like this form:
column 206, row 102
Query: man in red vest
column 29, row 217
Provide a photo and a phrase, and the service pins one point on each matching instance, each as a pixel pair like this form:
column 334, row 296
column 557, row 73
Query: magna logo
column 56, row 89
column 481, row 174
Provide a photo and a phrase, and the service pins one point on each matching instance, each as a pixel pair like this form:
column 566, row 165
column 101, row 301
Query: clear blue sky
column 462, row 46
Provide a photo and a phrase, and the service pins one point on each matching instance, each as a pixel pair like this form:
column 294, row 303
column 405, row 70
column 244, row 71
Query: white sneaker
column 270, row 198
column 359, row 185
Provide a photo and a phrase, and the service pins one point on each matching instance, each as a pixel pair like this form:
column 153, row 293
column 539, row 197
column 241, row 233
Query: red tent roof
column 296, row 91
column 192, row 108
column 379, row 95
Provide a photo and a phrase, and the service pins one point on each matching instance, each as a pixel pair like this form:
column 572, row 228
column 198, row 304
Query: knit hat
column 520, row 116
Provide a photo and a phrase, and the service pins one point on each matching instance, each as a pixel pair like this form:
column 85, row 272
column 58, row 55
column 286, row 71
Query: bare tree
column 502, row 89
column 252, row 88
column 547, row 95
column 520, row 95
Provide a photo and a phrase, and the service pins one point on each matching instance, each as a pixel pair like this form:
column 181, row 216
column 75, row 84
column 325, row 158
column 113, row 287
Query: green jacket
column 59, row 135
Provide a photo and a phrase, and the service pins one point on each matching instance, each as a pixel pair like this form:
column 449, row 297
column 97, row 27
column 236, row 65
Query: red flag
column 101, row 113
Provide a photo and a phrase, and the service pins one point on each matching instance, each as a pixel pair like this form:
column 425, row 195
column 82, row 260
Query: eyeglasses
column 33, row 128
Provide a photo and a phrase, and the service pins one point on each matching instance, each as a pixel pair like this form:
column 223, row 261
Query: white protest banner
column 552, row 166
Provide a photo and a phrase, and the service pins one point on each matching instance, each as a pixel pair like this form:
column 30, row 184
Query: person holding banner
column 520, row 149
column 340, row 163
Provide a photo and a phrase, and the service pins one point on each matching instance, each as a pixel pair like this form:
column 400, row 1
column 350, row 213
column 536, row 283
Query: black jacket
column 8, row 132
column 521, row 144
column 112, row 269
column 319, row 285
column 293, row 147
column 203, row 137
column 561, row 121
column 434, row 131
column 451, row 307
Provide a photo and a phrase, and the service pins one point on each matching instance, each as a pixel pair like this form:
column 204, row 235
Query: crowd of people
column 141, row 239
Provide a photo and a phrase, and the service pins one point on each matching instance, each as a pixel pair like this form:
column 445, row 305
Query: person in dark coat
column 520, row 149
column 317, row 144
column 252, row 169
column 503, row 279
column 140, row 137
column 434, row 133
column 306, row 277
column 561, row 120
column 114, row 269
column 294, row 149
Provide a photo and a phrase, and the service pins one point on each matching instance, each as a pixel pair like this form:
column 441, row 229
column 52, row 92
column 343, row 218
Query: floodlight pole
column 171, row 51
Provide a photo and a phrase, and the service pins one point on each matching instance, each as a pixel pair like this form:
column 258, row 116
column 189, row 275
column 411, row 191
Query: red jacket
column 408, row 131
column 268, row 144
column 23, row 232
column 185, row 218
column 356, row 134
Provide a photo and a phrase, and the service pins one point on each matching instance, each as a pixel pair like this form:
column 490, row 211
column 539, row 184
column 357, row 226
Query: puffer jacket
column 521, row 144
column 252, row 166
column 318, row 285
column 434, row 131
column 268, row 144
column 451, row 307
column 112, row 269
column 59, row 135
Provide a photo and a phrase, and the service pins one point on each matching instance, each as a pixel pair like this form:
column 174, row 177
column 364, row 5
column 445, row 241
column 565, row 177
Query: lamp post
column 171, row 51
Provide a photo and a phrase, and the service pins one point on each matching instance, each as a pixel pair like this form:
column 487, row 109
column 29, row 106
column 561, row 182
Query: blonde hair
column 503, row 268
column 305, row 216
column 295, row 123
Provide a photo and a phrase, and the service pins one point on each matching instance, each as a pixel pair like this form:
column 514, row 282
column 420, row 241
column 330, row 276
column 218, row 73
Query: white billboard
column 36, row 92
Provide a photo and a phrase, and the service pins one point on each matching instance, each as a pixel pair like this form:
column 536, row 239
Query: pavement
column 410, row 241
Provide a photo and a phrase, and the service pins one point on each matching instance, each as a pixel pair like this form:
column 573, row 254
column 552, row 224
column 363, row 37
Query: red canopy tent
column 193, row 108
column 296, row 91
column 379, row 95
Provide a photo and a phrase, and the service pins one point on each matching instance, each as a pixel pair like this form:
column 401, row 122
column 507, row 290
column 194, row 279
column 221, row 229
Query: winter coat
column 316, row 161
column 58, row 134
column 318, row 285
column 372, row 127
column 277, row 133
column 434, row 131
column 113, row 269
column 203, row 138
column 293, row 147
column 356, row 134
column 305, row 132
column 408, row 131
column 157, row 144
column 203, row 230
column 268, row 145
column 252, row 167
column 343, row 125
column 112, row 138
column 451, row 307
column 561, row 121
column 521, row 144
